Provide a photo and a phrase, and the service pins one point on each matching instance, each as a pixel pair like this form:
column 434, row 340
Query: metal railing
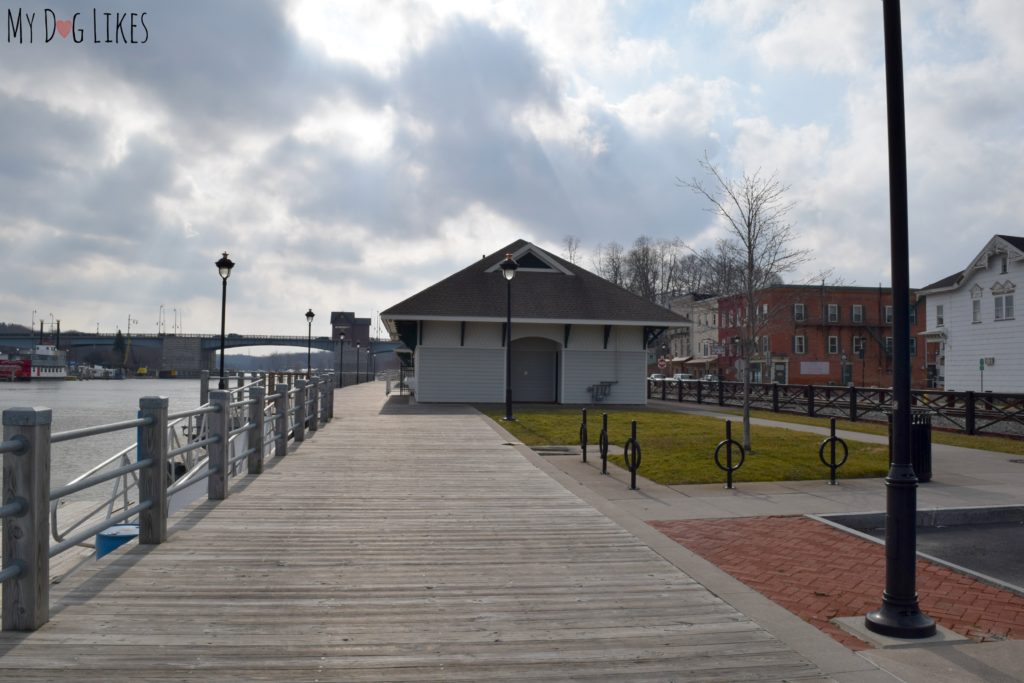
column 970, row 412
column 172, row 453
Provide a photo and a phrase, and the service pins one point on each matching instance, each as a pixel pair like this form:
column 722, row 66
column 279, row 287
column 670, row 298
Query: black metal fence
column 970, row 412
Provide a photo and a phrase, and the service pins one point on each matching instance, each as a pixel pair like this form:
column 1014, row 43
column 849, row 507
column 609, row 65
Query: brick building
column 820, row 335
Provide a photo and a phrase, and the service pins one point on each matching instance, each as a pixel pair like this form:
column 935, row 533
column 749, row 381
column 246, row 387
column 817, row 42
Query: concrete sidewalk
column 748, row 543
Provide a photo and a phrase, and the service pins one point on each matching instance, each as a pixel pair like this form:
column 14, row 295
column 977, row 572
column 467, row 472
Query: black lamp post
column 508, row 269
column 341, row 360
column 358, row 347
column 224, row 266
column 899, row 616
column 369, row 352
column 309, row 343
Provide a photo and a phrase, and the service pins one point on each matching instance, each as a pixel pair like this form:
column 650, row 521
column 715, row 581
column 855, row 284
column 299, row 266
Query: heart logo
column 63, row 27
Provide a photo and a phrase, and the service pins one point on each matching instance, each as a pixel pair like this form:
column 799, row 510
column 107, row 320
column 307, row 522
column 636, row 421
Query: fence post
column 663, row 389
column 853, row 403
column 329, row 393
column 810, row 400
column 217, row 483
column 204, row 387
column 240, row 382
column 969, row 408
column 256, row 438
column 300, row 410
column 314, row 405
column 153, row 479
column 700, row 391
column 26, row 538
column 648, row 388
column 679, row 391
column 721, row 393
column 281, row 409
column 775, row 397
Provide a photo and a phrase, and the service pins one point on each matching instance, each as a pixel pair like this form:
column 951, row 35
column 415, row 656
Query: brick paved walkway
column 818, row 573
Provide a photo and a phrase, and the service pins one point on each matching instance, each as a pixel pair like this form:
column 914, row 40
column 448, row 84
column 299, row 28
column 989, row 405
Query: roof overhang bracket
column 608, row 333
column 568, row 328
column 652, row 333
column 462, row 334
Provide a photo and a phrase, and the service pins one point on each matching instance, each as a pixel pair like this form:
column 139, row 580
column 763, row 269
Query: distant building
column 972, row 334
column 818, row 334
column 355, row 329
column 694, row 347
column 576, row 338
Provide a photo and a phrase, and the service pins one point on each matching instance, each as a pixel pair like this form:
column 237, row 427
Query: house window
column 888, row 345
column 913, row 314
column 799, row 344
column 799, row 315
column 764, row 344
column 1004, row 306
column 976, row 310
column 857, row 313
column 833, row 344
column 913, row 346
column 858, row 345
column 1003, row 263
column 833, row 313
column 888, row 315
column 940, row 316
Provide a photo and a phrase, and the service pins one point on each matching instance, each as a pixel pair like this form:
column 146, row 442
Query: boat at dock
column 43, row 362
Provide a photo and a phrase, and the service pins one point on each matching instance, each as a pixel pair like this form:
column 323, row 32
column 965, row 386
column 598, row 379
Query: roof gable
column 1011, row 246
column 546, row 287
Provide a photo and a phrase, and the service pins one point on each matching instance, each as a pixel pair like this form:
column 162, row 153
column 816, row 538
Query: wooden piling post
column 26, row 538
column 300, row 410
column 153, row 479
column 256, row 437
column 314, row 406
column 281, row 427
column 217, row 483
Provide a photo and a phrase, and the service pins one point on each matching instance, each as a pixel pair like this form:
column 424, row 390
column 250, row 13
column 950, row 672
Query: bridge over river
column 399, row 543
column 189, row 354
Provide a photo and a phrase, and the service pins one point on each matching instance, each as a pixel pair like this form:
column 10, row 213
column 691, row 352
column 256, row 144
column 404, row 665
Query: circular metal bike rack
column 831, row 442
column 631, row 453
column 728, row 444
column 602, row 443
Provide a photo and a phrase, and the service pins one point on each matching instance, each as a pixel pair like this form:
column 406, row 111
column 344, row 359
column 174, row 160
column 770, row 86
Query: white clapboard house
column 971, row 321
column 576, row 338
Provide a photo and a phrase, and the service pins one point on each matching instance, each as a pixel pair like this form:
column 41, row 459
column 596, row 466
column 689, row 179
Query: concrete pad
column 996, row 662
column 855, row 626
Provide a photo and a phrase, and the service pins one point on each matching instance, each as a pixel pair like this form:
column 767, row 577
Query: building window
column 799, row 315
column 888, row 315
column 1003, row 263
column 833, row 344
column 857, row 313
column 913, row 346
column 799, row 344
column 976, row 310
column 913, row 314
column 1004, row 306
column 858, row 345
column 940, row 316
column 888, row 345
column 764, row 344
column 833, row 313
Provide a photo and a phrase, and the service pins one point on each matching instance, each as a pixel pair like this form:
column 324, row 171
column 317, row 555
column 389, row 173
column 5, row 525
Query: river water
column 90, row 403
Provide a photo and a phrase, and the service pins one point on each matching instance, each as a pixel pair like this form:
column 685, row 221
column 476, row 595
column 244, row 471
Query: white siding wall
column 581, row 369
column 966, row 341
column 459, row 375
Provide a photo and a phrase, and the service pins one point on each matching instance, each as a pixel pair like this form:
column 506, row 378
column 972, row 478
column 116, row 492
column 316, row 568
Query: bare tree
column 610, row 263
column 571, row 244
column 760, row 242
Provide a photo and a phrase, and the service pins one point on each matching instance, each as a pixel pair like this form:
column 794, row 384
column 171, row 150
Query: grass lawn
column 679, row 449
column 981, row 442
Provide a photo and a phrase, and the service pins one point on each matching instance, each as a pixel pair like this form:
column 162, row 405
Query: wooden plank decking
column 400, row 544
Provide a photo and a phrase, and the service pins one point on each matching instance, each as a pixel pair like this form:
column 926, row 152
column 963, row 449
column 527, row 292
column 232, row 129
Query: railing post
column 969, row 414
column 256, row 438
column 204, row 387
column 313, row 389
column 775, row 397
column 217, row 483
column 853, row 403
column 700, row 391
column 26, row 539
column 810, row 400
column 300, row 410
column 281, row 408
column 240, row 382
column 153, row 479
column 721, row 393
column 329, row 393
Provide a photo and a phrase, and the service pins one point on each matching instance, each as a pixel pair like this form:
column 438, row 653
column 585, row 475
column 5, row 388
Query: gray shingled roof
column 947, row 281
column 1017, row 242
column 474, row 293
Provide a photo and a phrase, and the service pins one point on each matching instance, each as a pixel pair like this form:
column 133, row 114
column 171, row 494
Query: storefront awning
column 701, row 360
column 936, row 334
column 681, row 359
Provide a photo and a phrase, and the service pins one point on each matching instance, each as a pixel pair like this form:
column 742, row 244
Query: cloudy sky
column 348, row 154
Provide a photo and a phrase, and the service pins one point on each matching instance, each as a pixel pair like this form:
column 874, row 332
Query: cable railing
column 149, row 480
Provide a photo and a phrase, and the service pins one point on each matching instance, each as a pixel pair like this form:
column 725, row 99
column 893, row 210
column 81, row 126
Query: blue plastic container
column 111, row 539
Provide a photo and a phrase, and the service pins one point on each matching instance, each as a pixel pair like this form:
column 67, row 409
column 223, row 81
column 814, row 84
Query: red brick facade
column 821, row 335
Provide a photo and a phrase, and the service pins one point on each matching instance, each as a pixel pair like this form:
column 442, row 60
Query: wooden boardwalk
column 401, row 544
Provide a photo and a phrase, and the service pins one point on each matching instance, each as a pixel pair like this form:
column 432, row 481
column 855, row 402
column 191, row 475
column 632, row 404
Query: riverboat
column 15, row 369
column 42, row 362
